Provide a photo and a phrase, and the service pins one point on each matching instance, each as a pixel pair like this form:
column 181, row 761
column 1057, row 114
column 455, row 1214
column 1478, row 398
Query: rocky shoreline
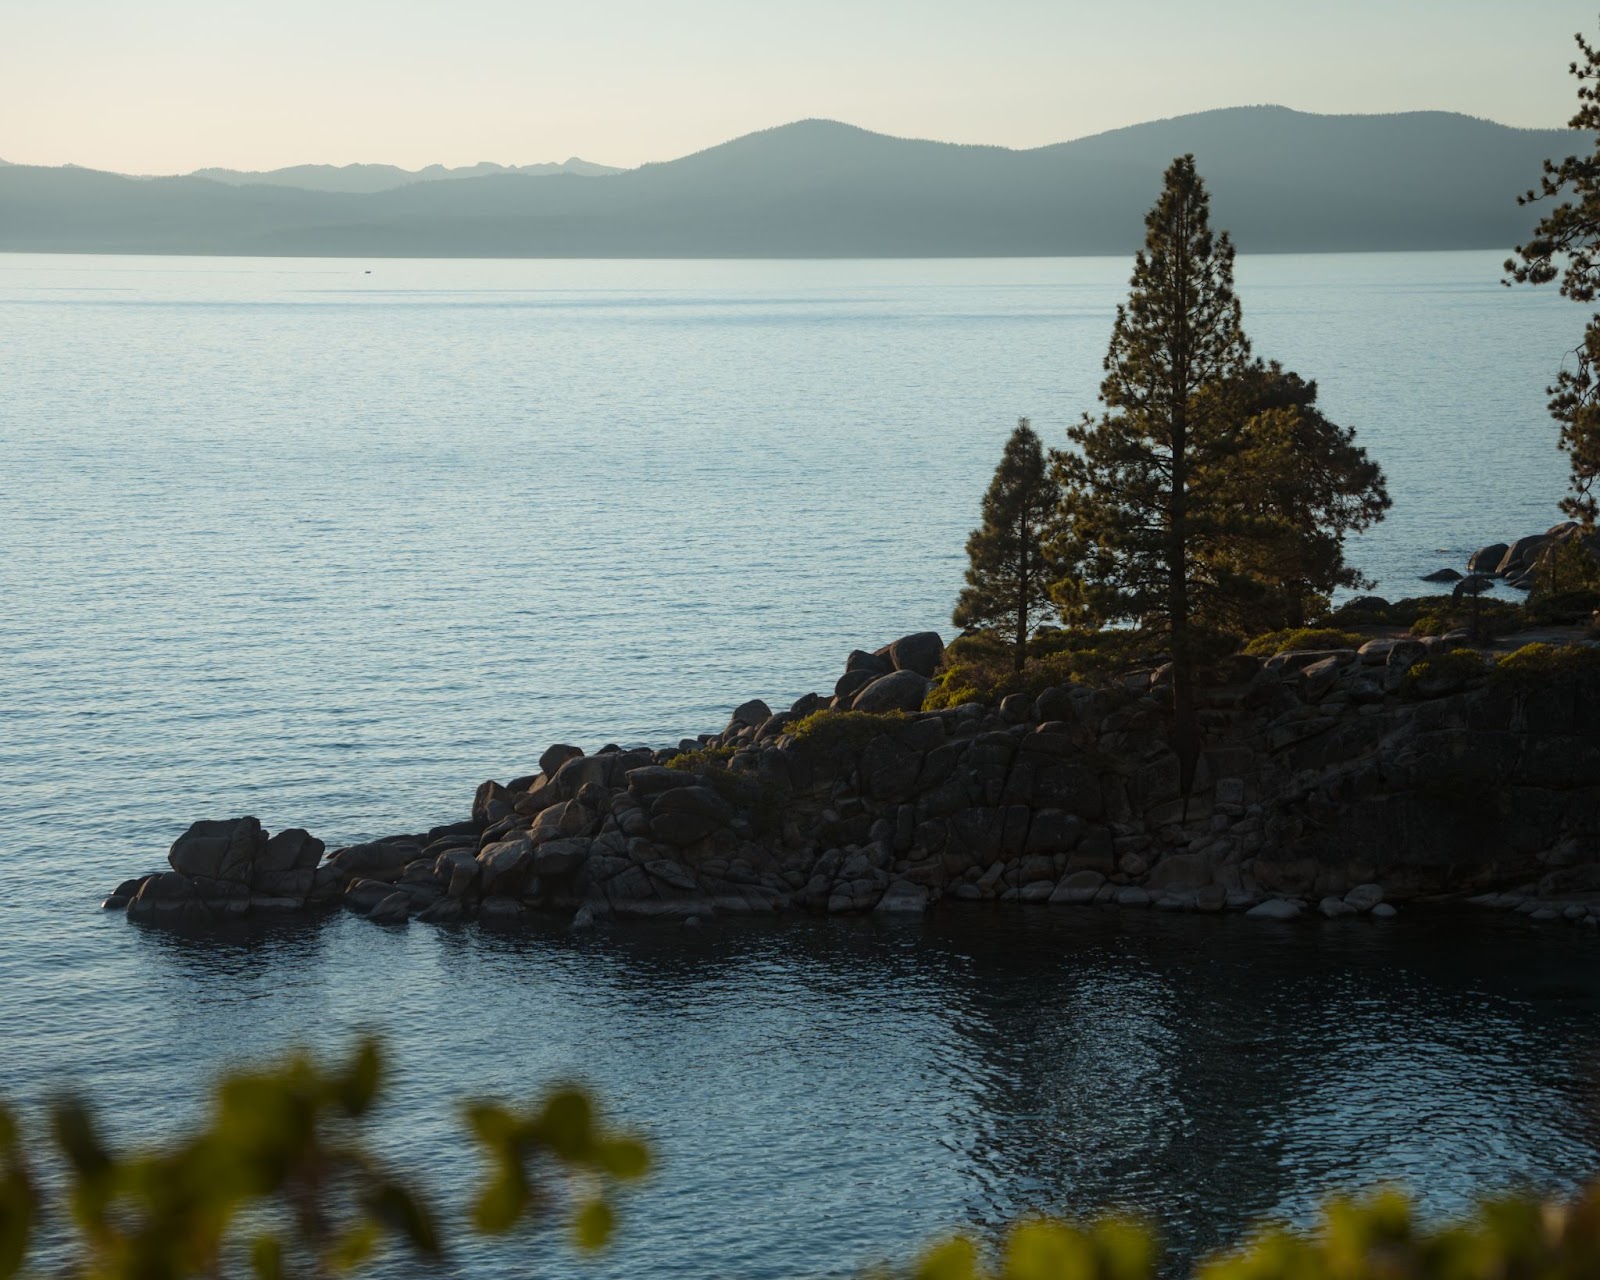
column 1333, row 783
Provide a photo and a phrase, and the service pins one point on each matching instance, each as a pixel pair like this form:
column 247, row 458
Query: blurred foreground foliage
column 279, row 1183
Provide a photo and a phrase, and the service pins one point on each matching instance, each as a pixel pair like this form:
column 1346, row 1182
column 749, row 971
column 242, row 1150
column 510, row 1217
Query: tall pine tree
column 1148, row 480
column 1009, row 572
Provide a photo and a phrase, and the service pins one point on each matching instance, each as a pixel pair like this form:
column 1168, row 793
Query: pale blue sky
column 160, row 86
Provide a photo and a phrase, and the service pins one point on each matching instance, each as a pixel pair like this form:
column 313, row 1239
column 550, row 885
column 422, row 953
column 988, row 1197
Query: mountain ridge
column 1281, row 180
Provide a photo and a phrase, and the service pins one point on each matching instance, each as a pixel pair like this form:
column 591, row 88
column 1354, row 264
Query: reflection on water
column 822, row 1092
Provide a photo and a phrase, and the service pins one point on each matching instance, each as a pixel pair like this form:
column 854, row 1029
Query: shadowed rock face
column 1320, row 789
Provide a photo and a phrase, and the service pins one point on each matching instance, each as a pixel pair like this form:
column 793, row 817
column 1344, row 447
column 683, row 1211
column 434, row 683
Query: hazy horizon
column 180, row 86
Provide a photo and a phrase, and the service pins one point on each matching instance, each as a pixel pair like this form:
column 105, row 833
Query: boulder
column 919, row 653
column 1077, row 888
column 1364, row 897
column 1275, row 909
column 861, row 660
column 1333, row 908
column 376, row 860
column 1439, row 575
column 560, row 857
column 500, row 912
column 555, row 756
column 491, row 802
column 901, row 691
column 1366, row 604
column 1016, row 708
column 1055, row 703
column 654, row 779
column 225, row 850
column 1487, row 559
column 902, row 898
column 1520, row 554
column 291, row 850
column 751, row 713
column 852, row 682
column 807, row 704
column 562, row 821
column 444, row 911
column 504, row 867
column 1404, row 654
column 1383, row 911
column 362, row 895
column 394, row 909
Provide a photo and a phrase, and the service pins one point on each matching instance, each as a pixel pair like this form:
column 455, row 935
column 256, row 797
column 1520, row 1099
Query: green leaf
column 354, row 1248
column 624, row 1158
column 955, row 1259
column 266, row 1258
column 359, row 1084
column 593, row 1224
column 567, row 1124
column 75, row 1135
column 500, row 1204
column 494, row 1125
column 400, row 1211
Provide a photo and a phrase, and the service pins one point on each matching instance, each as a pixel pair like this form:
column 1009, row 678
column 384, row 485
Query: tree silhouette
column 1009, row 570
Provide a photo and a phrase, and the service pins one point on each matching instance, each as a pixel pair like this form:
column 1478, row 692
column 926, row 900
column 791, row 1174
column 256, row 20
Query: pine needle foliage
column 1149, row 481
column 1566, row 246
column 1009, row 570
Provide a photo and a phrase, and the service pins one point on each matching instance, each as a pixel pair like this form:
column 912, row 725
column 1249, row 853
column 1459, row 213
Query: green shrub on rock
column 1444, row 674
column 844, row 731
column 1538, row 661
column 1275, row 642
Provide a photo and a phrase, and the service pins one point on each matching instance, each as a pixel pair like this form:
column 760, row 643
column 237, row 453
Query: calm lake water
column 329, row 542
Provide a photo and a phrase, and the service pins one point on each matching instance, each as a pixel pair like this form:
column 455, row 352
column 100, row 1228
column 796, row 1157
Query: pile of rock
column 1518, row 562
column 1325, row 774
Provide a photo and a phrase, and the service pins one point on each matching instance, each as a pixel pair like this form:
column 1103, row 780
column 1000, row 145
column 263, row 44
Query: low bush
column 1562, row 607
column 1459, row 666
column 1275, row 642
column 1536, row 662
column 844, row 730
column 701, row 758
column 979, row 668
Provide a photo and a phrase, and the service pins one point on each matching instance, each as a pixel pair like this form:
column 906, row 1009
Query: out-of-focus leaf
column 955, row 1259
column 1044, row 1250
column 499, row 1205
column 623, row 1158
column 593, row 1224
column 360, row 1081
column 75, row 1135
column 492, row 1123
column 266, row 1258
column 354, row 1247
column 567, row 1124
column 399, row 1210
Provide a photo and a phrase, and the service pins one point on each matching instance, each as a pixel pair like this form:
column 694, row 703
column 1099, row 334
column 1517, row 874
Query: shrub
column 844, row 730
column 1535, row 662
column 1563, row 606
column 701, row 758
column 978, row 667
column 1457, row 668
column 1275, row 642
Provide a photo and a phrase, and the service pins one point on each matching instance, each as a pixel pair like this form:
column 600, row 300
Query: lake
column 329, row 542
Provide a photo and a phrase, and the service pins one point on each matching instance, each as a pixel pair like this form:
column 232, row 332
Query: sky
column 167, row 86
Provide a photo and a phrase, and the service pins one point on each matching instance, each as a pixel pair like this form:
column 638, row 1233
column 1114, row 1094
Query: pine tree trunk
column 1185, row 727
column 1019, row 656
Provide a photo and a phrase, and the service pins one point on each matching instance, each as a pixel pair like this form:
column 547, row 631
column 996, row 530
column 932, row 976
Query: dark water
column 291, row 539
column 824, row 1092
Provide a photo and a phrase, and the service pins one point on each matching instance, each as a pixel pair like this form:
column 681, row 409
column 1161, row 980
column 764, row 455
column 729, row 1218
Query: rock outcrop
column 1332, row 783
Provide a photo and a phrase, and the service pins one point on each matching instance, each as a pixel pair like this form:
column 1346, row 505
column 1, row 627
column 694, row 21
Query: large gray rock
column 920, row 653
column 1275, row 909
column 902, row 898
column 1487, row 559
column 853, row 682
column 1521, row 553
column 1364, row 897
column 225, row 850
column 750, row 714
column 561, row 857
column 395, row 909
column 901, row 691
column 1077, row 888
column 1443, row 575
column 376, row 860
column 861, row 660
column 557, row 755
column 504, row 867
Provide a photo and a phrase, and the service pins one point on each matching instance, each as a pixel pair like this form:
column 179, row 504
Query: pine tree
column 1009, row 572
column 1301, row 486
column 1569, row 234
column 1148, row 479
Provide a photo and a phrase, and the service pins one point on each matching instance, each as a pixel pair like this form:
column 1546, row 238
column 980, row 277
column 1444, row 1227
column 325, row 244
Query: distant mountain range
column 368, row 178
column 1281, row 181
